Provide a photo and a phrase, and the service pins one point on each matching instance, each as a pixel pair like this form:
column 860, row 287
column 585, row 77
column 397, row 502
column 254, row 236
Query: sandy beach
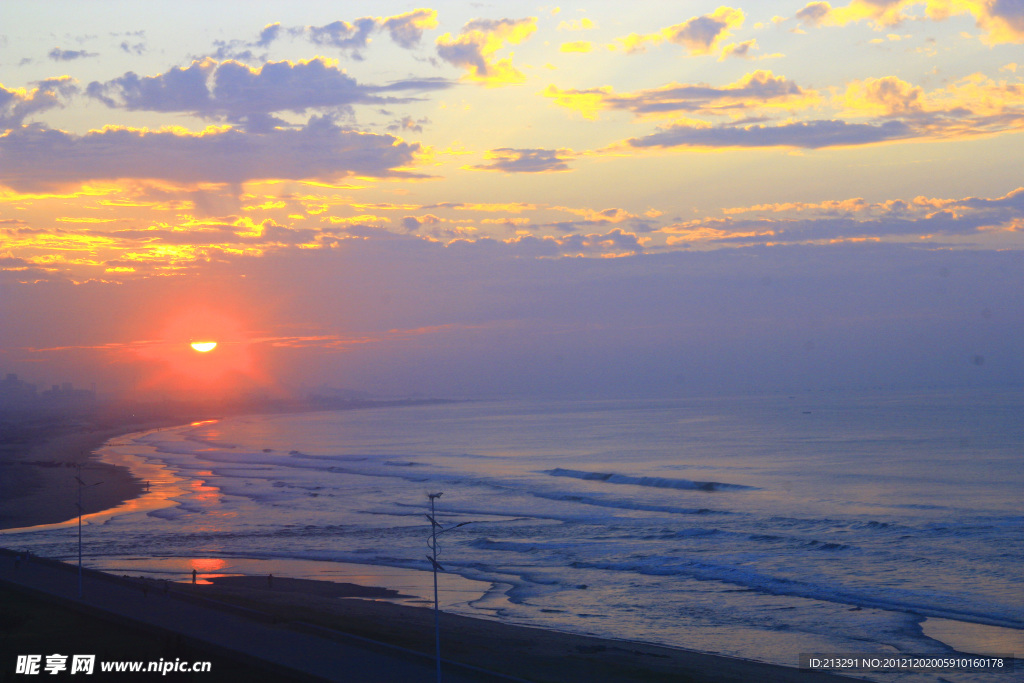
column 39, row 466
column 38, row 487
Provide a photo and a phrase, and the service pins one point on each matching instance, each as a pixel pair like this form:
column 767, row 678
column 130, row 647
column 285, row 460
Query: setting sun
column 204, row 347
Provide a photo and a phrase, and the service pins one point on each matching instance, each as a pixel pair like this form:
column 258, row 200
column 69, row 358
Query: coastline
column 313, row 619
column 40, row 451
column 38, row 487
column 38, row 484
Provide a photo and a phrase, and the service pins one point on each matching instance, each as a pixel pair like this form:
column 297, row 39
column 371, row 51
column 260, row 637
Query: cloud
column 576, row 46
column 405, row 29
column 236, row 92
column 133, row 48
column 475, row 47
column 974, row 105
column 741, row 50
column 757, row 89
column 269, row 34
column 888, row 96
column 527, row 160
column 34, row 157
column 59, row 55
column 852, row 219
column 1002, row 20
column 18, row 104
column 700, row 35
column 806, row 134
column 408, row 123
column 873, row 110
column 584, row 24
column 616, row 242
column 344, row 35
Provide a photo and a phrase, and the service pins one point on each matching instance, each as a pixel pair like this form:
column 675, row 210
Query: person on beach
column 193, row 577
column 270, row 581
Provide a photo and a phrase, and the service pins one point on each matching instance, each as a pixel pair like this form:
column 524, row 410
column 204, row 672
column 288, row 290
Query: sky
column 512, row 199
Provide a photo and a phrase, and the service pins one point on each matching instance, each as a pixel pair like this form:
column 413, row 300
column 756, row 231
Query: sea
column 760, row 527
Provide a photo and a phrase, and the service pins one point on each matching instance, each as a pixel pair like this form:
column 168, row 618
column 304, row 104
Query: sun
column 204, row 346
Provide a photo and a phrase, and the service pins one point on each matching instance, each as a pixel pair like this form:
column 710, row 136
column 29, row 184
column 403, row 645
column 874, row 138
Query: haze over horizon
column 510, row 199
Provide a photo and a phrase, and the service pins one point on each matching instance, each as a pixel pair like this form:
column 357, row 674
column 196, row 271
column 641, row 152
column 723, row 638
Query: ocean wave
column 916, row 602
column 655, row 482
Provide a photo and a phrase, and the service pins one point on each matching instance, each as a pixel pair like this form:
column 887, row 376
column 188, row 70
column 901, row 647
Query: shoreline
column 328, row 612
column 40, row 452
column 38, row 485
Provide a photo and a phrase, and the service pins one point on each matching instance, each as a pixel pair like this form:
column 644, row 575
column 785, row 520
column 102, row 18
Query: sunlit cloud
column 18, row 104
column 576, row 46
column 700, row 35
column 1001, row 20
column 584, row 24
column 753, row 91
column 475, row 48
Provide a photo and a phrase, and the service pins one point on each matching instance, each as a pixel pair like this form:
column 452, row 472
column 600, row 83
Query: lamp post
column 81, row 485
column 437, row 528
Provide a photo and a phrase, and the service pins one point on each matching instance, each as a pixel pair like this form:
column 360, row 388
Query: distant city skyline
column 512, row 199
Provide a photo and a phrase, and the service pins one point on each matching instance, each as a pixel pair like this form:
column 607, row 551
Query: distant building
column 16, row 393
column 66, row 396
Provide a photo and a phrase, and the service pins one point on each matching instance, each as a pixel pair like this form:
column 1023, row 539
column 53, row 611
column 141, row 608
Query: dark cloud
column 343, row 35
column 510, row 160
column 353, row 37
column 35, row 157
column 133, row 48
column 236, row 92
column 407, row 123
column 59, row 55
column 177, row 90
column 809, row 135
column 269, row 34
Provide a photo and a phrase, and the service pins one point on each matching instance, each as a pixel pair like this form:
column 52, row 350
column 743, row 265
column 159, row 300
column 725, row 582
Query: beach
column 39, row 488
column 312, row 623
column 39, row 465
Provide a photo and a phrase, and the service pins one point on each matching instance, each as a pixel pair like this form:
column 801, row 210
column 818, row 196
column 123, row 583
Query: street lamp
column 81, row 485
column 437, row 528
